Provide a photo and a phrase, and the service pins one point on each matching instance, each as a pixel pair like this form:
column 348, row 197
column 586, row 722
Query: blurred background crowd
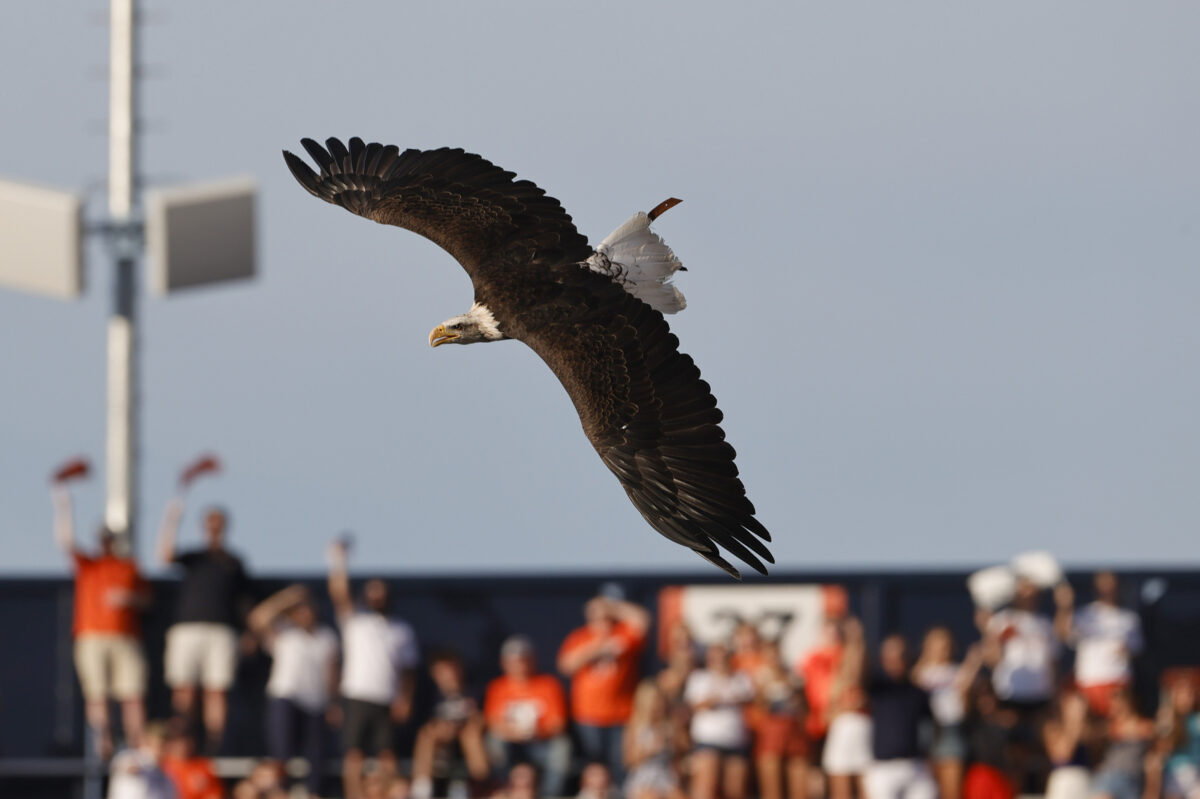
column 1039, row 702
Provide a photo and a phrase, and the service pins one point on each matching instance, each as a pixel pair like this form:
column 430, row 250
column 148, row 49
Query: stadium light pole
column 41, row 231
column 125, row 242
column 41, row 251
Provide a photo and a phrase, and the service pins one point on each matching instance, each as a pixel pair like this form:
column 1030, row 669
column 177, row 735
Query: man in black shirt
column 213, row 598
column 900, row 715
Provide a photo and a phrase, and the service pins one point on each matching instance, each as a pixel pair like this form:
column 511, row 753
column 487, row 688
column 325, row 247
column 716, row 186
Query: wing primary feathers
column 357, row 149
column 721, row 563
column 302, row 172
column 338, row 153
column 317, row 153
column 736, row 549
column 490, row 222
column 387, row 160
column 372, row 158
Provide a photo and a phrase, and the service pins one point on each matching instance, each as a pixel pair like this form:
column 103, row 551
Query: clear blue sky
column 944, row 276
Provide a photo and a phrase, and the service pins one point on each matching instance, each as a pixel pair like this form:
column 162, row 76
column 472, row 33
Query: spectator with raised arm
column 818, row 670
column 1022, row 647
column 379, row 656
column 948, row 684
column 109, row 596
column 846, row 754
column 899, row 715
column 1106, row 637
column 602, row 660
column 526, row 714
column 214, row 597
column 304, row 674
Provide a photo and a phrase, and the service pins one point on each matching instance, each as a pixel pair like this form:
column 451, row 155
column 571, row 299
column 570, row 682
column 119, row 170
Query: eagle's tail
column 635, row 257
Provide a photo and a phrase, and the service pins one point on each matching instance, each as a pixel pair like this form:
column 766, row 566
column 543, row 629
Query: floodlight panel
column 41, row 240
column 201, row 233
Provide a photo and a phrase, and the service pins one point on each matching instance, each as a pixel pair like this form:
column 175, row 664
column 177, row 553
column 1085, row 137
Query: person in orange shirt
column 526, row 715
column 194, row 777
column 109, row 595
column 602, row 659
column 817, row 670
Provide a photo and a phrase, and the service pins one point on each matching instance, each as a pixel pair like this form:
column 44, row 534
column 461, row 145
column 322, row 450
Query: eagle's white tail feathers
column 635, row 257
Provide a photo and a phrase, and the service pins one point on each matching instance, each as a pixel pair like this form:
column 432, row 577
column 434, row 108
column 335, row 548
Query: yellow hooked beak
column 440, row 335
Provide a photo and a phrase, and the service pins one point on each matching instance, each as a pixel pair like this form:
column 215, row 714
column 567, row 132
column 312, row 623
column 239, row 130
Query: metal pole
column 121, row 467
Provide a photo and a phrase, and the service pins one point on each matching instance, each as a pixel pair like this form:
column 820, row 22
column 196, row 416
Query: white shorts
column 199, row 653
column 848, row 745
column 899, row 779
column 110, row 665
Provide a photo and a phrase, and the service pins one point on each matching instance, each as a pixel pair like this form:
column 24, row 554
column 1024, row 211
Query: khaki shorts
column 199, row 653
column 110, row 665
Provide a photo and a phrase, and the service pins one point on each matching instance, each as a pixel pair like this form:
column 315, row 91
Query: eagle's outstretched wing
column 465, row 204
column 642, row 403
column 653, row 421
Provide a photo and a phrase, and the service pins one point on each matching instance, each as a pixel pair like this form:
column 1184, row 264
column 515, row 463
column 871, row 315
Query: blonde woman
column 651, row 741
column 947, row 683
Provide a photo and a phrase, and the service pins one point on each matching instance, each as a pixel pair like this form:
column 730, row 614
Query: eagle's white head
column 477, row 324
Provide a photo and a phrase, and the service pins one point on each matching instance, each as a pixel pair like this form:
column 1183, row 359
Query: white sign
column 41, row 240
column 200, row 233
column 792, row 614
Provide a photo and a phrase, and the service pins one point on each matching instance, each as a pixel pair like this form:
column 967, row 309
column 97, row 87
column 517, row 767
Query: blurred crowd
column 1040, row 703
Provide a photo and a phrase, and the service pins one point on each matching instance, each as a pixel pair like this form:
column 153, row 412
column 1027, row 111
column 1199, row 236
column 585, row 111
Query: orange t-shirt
column 194, row 778
column 747, row 662
column 536, row 703
column 94, row 578
column 818, row 669
column 602, row 691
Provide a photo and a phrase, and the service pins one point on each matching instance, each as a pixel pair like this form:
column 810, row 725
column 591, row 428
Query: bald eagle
column 595, row 316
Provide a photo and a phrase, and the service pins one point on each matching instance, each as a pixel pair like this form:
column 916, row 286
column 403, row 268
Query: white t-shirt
column 945, row 698
column 1104, row 639
column 721, row 725
column 1029, row 650
column 301, row 666
column 376, row 649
